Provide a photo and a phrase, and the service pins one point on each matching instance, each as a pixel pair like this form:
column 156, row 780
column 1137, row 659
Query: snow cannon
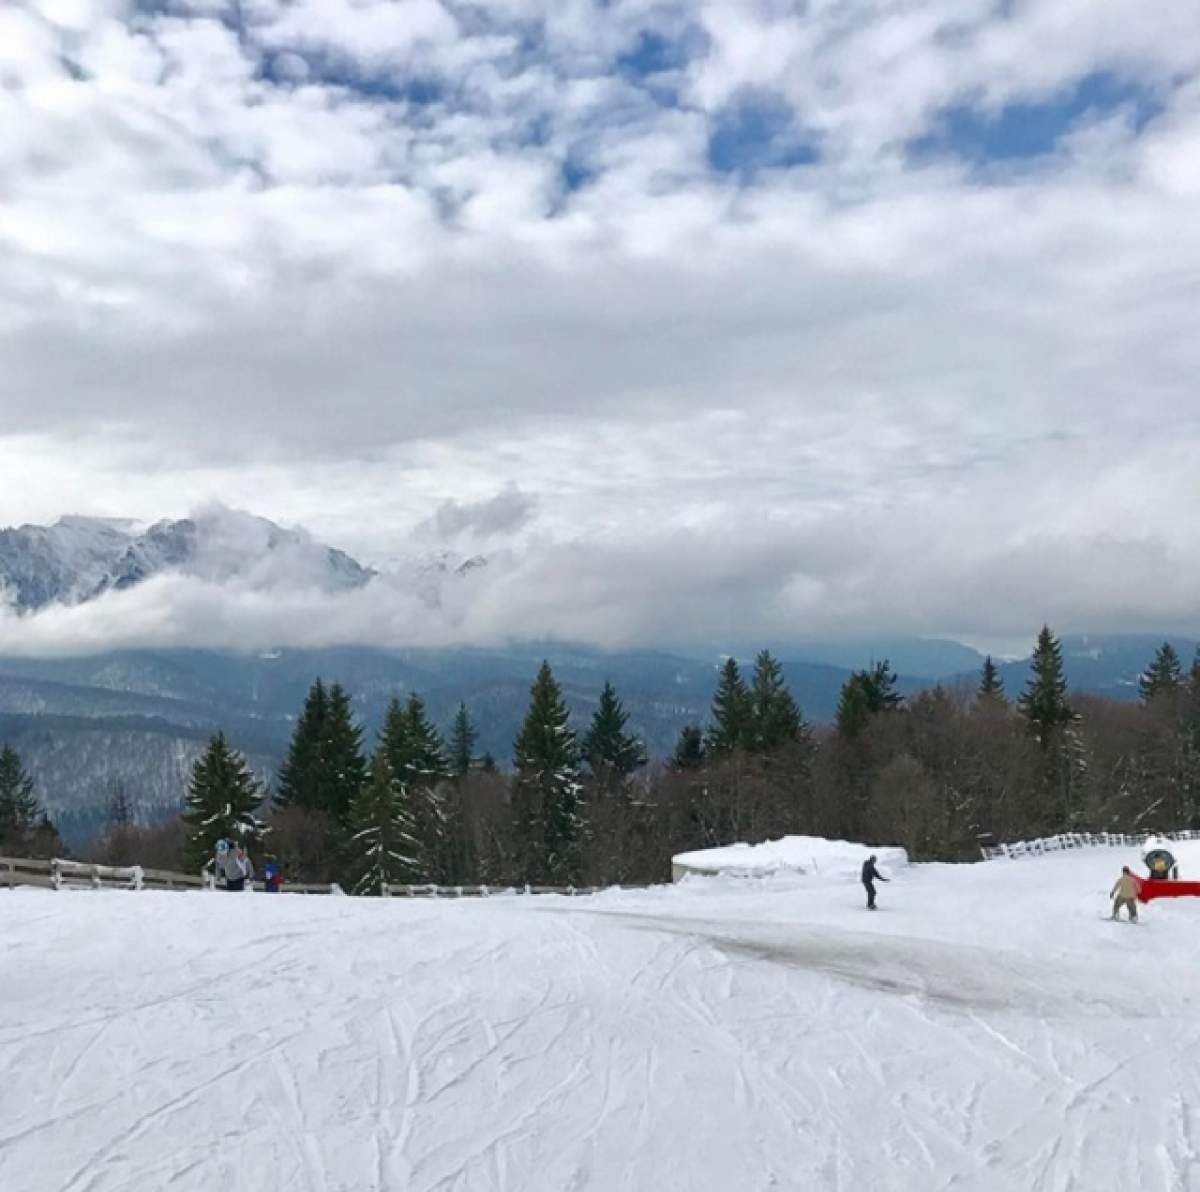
column 1160, row 863
column 1149, row 888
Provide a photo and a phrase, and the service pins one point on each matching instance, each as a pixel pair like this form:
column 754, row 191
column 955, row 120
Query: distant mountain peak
column 79, row 557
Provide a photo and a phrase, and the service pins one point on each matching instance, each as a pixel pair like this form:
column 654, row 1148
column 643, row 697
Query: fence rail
column 1073, row 840
column 487, row 891
column 60, row 874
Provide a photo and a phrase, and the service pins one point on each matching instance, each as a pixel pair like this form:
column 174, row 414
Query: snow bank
column 791, row 854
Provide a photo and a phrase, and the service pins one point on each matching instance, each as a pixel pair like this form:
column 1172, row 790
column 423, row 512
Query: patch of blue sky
column 575, row 173
column 655, row 52
column 1030, row 129
column 758, row 131
column 288, row 67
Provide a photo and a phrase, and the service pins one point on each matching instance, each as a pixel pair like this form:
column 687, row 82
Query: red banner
column 1149, row 890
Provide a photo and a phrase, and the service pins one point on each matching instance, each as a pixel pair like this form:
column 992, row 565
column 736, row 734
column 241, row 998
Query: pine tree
column 1044, row 701
column 853, row 713
column 427, row 768
column 120, row 837
column 991, row 685
column 120, row 814
column 1164, row 676
column 546, row 787
column 879, row 684
column 866, row 694
column 301, row 778
column 383, row 846
column 221, row 802
column 607, row 747
column 343, row 768
column 462, row 742
column 774, row 716
column 689, row 749
column 19, row 808
column 731, row 712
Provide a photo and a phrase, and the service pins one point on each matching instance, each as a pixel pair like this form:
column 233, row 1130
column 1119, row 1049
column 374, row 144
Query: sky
column 792, row 319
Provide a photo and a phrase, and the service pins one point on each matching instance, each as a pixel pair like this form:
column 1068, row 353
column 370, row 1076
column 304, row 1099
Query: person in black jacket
column 869, row 877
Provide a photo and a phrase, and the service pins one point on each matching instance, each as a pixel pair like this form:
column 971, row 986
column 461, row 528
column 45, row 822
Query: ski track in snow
column 982, row 1031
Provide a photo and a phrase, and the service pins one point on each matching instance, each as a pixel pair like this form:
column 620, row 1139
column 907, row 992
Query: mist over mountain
column 86, row 716
column 80, row 558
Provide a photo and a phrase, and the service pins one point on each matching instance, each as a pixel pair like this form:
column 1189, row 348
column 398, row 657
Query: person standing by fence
column 235, row 866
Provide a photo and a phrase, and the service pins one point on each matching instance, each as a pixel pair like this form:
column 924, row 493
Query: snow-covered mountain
column 79, row 558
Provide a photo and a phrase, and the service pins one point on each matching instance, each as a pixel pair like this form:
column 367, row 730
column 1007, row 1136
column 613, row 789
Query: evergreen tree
column 19, row 809
column 1164, row 676
column 428, row 762
column 120, row 837
column 221, row 802
column 325, row 767
column 302, row 776
column 991, row 685
column 879, row 686
column 427, row 769
column 607, row 747
column 1044, row 701
column 774, row 716
column 865, row 694
column 853, row 712
column 731, row 712
column 546, row 787
column 462, row 742
column 343, row 768
column 383, row 846
column 689, row 749
column 120, row 814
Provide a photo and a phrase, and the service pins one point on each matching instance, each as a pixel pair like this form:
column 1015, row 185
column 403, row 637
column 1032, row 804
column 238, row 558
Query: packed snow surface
column 800, row 854
column 986, row 1029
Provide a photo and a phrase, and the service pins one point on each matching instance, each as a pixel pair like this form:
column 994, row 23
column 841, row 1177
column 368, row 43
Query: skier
column 1124, row 893
column 869, row 877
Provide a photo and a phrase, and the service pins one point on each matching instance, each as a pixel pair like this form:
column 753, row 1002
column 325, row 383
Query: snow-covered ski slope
column 986, row 1029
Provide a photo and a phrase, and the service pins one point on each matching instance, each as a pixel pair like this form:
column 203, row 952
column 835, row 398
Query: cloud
column 506, row 512
column 758, row 301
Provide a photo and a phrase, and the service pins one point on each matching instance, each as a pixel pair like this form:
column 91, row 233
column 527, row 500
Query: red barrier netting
column 1148, row 890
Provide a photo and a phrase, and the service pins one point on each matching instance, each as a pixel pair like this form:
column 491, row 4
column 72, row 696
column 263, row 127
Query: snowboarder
column 870, row 875
column 1124, row 893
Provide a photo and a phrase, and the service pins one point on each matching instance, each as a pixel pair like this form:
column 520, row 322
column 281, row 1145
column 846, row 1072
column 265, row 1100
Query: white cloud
column 246, row 264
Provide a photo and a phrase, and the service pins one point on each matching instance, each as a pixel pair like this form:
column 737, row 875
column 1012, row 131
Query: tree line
column 938, row 773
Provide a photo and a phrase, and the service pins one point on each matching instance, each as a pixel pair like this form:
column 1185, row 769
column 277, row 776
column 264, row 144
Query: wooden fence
column 1074, row 840
column 488, row 891
column 59, row 874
